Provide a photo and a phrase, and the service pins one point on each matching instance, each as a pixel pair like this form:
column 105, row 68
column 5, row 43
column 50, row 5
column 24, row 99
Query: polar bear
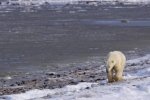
column 115, row 65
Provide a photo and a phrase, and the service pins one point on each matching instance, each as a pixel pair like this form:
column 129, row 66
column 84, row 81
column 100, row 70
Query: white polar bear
column 115, row 65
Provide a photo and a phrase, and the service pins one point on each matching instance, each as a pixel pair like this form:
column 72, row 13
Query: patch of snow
column 29, row 95
column 141, row 60
column 136, row 90
column 8, row 77
column 35, row 94
column 90, row 2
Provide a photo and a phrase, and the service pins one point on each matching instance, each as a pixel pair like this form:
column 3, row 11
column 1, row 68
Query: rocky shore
column 50, row 80
column 41, row 37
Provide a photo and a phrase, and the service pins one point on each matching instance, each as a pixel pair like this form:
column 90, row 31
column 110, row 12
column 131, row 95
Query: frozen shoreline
column 62, row 2
column 93, row 74
column 136, row 70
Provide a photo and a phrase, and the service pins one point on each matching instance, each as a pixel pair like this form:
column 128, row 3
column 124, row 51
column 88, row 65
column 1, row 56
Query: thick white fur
column 115, row 65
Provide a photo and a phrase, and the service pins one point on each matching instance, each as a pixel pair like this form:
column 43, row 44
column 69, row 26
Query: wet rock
column 84, row 73
column 50, row 73
column 34, row 80
column 147, row 61
column 73, row 82
column 98, row 79
column 134, row 85
column 18, row 83
column 124, row 21
column 133, row 64
column 79, row 69
column 12, row 85
column 52, row 80
column 92, row 76
column 82, row 81
column 94, row 85
column 44, row 86
column 46, row 80
column 58, row 75
column 23, row 82
column 87, row 88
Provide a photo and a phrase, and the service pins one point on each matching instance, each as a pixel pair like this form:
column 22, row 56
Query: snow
column 139, row 60
column 40, row 2
column 136, row 86
column 30, row 95
column 34, row 94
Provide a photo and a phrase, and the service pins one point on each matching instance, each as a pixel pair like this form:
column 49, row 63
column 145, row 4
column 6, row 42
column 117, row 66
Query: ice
column 40, row 2
column 124, row 91
column 139, row 60
column 30, row 95
column 136, row 86
column 35, row 94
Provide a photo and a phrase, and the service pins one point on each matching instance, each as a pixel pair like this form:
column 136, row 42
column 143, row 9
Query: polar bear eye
column 112, row 61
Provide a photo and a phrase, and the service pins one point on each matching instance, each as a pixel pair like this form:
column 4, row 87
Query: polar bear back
column 118, row 58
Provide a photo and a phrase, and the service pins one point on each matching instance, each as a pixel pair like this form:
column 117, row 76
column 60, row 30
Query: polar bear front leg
column 110, row 76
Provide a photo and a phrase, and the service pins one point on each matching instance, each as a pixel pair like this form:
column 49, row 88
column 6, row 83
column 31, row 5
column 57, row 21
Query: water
column 57, row 38
column 121, row 22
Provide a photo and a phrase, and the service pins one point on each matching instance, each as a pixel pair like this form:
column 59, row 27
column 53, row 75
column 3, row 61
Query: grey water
column 59, row 39
column 121, row 22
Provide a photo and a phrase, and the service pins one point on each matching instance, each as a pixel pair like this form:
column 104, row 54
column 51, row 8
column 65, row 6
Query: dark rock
column 23, row 82
column 79, row 69
column 82, row 81
column 58, row 75
column 124, row 21
column 50, row 73
column 34, row 80
column 12, row 85
column 18, row 83
column 98, row 79
column 51, row 80
column 73, row 82
column 87, row 88
column 92, row 76
column 133, row 64
column 46, row 80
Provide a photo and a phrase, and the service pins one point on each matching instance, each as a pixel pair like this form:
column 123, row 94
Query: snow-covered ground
column 40, row 2
column 136, row 86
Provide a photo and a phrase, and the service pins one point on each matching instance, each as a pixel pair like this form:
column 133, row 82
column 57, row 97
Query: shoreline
column 44, row 40
column 53, row 80
column 63, row 2
column 50, row 80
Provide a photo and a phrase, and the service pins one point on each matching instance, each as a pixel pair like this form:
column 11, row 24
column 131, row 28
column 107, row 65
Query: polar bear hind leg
column 118, row 76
